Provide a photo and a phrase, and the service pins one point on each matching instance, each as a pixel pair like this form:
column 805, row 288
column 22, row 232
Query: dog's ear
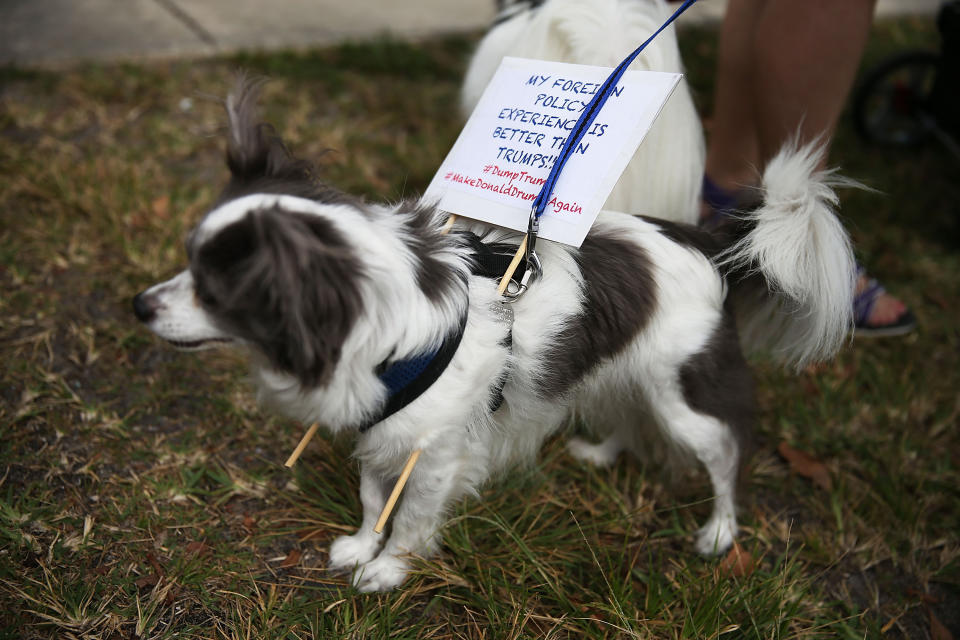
column 255, row 150
column 286, row 282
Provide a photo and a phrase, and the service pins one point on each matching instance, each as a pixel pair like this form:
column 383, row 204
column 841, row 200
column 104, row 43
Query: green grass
column 142, row 492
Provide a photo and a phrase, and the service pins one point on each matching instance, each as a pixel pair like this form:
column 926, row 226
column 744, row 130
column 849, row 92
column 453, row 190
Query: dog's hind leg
column 605, row 412
column 601, row 454
column 707, row 406
column 347, row 552
column 714, row 444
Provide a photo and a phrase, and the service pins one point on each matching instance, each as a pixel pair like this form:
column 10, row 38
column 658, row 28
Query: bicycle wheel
column 891, row 105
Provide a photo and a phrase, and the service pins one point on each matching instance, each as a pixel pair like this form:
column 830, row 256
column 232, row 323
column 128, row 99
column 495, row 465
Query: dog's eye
column 204, row 297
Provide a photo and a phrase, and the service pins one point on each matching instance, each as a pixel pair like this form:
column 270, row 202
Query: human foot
column 876, row 313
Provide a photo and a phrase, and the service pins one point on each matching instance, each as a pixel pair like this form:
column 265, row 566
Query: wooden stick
column 397, row 488
column 517, row 257
column 448, row 224
column 303, row 445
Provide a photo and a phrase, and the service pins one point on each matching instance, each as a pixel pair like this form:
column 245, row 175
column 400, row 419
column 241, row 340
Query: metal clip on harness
column 532, row 269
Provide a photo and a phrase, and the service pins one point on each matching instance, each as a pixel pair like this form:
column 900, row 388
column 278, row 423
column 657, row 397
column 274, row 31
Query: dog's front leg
column 349, row 552
column 434, row 484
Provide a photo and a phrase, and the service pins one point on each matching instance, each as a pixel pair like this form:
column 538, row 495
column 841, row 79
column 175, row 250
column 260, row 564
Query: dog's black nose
column 144, row 308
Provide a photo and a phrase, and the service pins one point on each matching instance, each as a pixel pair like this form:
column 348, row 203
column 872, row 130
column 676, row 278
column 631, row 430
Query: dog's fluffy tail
column 803, row 311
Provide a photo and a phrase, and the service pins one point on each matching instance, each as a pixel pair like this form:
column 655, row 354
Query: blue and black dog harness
column 408, row 379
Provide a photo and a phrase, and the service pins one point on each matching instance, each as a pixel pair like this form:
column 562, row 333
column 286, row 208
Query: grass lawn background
column 142, row 493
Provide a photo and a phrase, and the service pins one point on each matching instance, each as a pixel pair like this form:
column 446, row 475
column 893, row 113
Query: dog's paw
column 383, row 574
column 602, row 454
column 716, row 536
column 348, row 552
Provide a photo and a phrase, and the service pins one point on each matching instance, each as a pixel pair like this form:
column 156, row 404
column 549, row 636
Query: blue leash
column 576, row 135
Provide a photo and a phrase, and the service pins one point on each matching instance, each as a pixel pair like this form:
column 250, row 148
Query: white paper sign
column 505, row 152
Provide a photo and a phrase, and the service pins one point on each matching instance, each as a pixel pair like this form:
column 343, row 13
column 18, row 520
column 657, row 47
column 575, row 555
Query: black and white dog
column 345, row 307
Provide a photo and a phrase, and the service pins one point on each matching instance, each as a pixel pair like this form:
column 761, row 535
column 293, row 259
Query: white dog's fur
column 664, row 177
column 321, row 290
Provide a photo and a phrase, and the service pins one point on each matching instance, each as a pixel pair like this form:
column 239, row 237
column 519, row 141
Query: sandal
column 863, row 303
column 719, row 204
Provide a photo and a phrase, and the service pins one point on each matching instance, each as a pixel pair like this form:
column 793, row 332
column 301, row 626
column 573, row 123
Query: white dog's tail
column 796, row 243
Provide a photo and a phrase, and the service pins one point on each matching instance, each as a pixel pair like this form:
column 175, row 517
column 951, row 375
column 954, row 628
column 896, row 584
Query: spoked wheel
column 891, row 105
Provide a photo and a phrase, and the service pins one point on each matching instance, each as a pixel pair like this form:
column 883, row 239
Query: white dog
column 663, row 179
column 368, row 319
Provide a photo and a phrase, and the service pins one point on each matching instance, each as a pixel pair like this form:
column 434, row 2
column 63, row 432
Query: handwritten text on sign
column 505, row 152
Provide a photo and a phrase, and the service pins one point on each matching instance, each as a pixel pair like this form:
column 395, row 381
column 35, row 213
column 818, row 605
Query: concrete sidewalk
column 43, row 33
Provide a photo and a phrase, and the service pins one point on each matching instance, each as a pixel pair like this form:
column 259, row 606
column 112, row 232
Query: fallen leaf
column 149, row 580
column 937, row 630
column 937, row 299
column 171, row 596
column 737, row 563
column 802, row 463
column 923, row 597
column 292, row 559
column 161, row 207
column 152, row 559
